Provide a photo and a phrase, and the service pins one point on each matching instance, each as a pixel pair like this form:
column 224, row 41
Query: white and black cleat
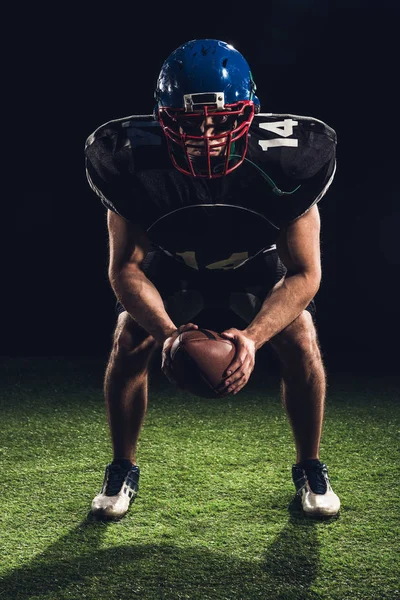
column 314, row 489
column 120, row 488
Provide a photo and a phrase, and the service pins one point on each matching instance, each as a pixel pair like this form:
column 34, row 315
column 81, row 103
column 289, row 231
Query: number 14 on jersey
column 283, row 129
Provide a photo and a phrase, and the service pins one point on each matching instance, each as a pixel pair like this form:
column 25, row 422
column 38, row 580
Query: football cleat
column 120, row 488
column 314, row 489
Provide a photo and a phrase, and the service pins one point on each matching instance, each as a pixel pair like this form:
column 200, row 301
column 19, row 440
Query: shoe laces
column 115, row 479
column 317, row 477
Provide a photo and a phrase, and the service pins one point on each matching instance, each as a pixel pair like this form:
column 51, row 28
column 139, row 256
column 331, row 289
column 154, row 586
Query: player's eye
column 188, row 121
column 195, row 124
column 190, row 124
column 219, row 119
column 223, row 122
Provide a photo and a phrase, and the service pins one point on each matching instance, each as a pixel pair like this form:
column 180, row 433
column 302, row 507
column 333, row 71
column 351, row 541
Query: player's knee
column 303, row 342
column 297, row 345
column 132, row 346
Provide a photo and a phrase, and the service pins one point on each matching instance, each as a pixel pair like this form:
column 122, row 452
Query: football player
column 213, row 203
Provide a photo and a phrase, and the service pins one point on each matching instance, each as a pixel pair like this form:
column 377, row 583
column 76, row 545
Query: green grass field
column 211, row 520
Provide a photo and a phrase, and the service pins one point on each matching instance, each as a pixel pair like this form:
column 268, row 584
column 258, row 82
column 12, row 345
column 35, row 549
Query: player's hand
column 165, row 356
column 239, row 371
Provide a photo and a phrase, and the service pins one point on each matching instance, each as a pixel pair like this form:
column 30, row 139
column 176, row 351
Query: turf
column 214, row 517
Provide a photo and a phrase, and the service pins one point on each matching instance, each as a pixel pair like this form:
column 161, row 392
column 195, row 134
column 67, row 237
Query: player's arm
column 129, row 245
column 299, row 249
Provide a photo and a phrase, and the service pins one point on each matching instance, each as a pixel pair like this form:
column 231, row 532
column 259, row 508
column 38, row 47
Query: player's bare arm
column 128, row 248
column 299, row 249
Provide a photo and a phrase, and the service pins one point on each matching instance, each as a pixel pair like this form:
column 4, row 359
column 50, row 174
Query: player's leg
column 303, row 393
column 125, row 385
column 126, row 380
column 303, row 378
column 125, row 388
column 303, row 383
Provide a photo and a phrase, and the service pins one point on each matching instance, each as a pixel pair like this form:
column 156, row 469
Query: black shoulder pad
column 297, row 156
column 298, row 146
column 110, row 166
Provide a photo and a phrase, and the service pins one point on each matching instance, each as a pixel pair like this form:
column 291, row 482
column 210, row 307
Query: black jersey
column 212, row 223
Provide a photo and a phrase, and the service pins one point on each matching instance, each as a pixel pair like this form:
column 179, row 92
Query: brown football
column 199, row 358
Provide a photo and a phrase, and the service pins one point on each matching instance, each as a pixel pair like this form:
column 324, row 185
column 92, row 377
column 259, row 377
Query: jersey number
column 235, row 259
column 282, row 128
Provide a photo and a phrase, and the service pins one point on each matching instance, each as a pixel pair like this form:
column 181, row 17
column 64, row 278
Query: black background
column 72, row 71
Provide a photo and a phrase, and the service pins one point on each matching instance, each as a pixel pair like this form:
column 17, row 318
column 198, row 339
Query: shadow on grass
column 77, row 567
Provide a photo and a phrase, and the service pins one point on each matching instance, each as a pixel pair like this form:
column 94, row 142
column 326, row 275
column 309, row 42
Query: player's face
column 209, row 126
column 208, row 141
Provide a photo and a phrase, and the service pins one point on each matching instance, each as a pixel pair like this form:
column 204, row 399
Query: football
column 199, row 359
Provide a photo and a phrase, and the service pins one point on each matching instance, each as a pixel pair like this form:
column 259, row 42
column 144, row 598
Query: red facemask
column 207, row 142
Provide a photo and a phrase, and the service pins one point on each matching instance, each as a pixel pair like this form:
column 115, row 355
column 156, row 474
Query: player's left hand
column 239, row 371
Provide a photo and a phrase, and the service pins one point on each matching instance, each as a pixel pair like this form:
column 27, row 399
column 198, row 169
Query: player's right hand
column 165, row 353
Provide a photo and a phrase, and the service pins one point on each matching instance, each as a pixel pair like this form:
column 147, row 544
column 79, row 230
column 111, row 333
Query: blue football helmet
column 205, row 105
